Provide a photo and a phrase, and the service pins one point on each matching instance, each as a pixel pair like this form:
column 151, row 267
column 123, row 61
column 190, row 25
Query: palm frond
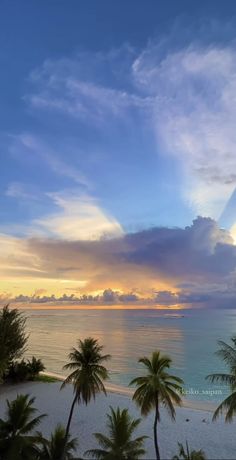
column 228, row 406
column 120, row 442
column 97, row 453
column 227, row 353
column 227, row 379
column 157, row 386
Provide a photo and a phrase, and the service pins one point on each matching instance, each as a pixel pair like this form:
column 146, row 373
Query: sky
column 117, row 152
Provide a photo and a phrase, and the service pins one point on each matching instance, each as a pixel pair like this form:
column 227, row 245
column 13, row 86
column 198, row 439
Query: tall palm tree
column 187, row 454
column 119, row 445
column 88, row 373
column 155, row 388
column 16, row 440
column 227, row 352
column 53, row 448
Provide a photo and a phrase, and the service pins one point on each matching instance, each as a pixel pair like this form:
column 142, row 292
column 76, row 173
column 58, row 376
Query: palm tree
column 16, row 442
column 88, row 373
column 189, row 455
column 53, row 448
column 119, row 445
column 228, row 354
column 155, row 388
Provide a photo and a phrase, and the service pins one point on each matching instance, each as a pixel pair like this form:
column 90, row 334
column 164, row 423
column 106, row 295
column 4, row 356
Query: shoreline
column 125, row 391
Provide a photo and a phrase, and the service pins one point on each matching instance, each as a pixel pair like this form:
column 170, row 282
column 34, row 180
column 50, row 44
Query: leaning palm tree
column 53, row 448
column 228, row 354
column 187, row 454
column 119, row 445
column 88, row 373
column 16, row 440
column 155, row 388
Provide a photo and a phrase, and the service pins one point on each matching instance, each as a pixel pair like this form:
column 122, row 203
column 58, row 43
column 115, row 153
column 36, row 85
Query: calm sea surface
column 190, row 340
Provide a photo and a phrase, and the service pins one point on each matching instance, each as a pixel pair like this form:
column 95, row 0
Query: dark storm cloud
column 199, row 251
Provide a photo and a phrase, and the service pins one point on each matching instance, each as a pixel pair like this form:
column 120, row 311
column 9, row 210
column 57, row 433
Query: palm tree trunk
column 70, row 416
column 68, row 426
column 155, row 432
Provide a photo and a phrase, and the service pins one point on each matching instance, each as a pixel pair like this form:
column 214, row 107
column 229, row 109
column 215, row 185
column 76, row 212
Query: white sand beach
column 216, row 439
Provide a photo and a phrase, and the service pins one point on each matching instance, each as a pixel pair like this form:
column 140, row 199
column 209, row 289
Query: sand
column 216, row 439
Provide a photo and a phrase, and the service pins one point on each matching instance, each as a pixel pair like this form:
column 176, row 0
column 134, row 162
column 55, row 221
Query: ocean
column 189, row 337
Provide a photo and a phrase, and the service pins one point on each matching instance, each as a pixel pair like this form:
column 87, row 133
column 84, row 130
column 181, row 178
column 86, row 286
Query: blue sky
column 116, row 117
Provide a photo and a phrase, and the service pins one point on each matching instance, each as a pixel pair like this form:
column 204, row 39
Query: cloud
column 166, row 298
column 214, row 299
column 68, row 87
column 18, row 190
column 194, row 89
column 29, row 144
column 167, row 266
column 209, row 296
column 202, row 253
column 22, row 270
column 24, row 193
column 107, row 297
column 87, row 100
column 71, row 216
column 16, row 258
column 200, row 250
column 78, row 218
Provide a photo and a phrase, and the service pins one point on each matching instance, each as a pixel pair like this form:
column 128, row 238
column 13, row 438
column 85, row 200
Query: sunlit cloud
column 233, row 233
column 77, row 218
column 70, row 214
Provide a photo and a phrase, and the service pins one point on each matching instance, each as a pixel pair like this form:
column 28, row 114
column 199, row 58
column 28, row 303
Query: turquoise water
column 190, row 340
